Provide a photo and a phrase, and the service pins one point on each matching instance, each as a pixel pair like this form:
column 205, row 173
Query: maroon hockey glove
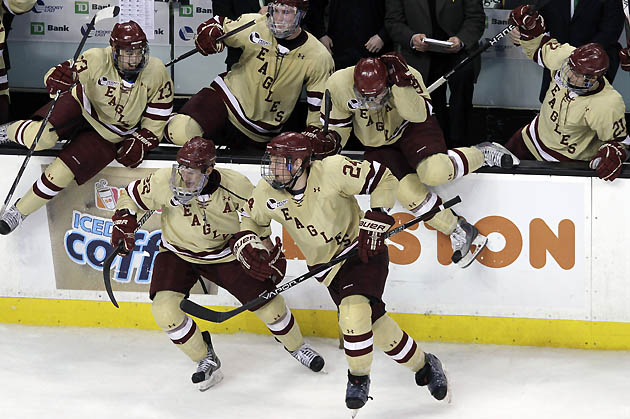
column 609, row 160
column 125, row 225
column 624, row 58
column 397, row 70
column 530, row 25
column 131, row 150
column 207, row 34
column 323, row 145
column 252, row 254
column 278, row 262
column 372, row 229
column 61, row 78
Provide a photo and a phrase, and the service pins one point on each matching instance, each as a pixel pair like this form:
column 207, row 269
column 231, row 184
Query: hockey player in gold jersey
column 314, row 201
column 386, row 104
column 15, row 7
column 200, row 213
column 247, row 106
column 582, row 117
column 115, row 104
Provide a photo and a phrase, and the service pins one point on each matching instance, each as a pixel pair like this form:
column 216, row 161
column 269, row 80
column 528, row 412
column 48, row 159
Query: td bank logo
column 38, row 28
column 81, row 7
column 186, row 11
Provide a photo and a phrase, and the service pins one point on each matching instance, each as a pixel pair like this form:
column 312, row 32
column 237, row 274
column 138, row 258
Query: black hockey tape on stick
column 106, row 13
column 222, row 37
column 327, row 108
column 484, row 45
column 107, row 263
column 204, row 313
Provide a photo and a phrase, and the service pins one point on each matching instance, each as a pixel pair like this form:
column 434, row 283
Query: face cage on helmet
column 563, row 77
column 283, row 29
column 267, row 173
column 373, row 102
column 130, row 74
column 181, row 192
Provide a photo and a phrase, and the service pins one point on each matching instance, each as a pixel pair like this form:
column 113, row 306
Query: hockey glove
column 252, row 255
column 372, row 229
column 61, row 78
column 131, row 150
column 278, row 262
column 609, row 160
column 624, row 58
column 530, row 23
column 397, row 70
column 125, row 225
column 323, row 145
column 207, row 34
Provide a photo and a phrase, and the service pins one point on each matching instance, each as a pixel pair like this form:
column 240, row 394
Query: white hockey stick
column 106, row 13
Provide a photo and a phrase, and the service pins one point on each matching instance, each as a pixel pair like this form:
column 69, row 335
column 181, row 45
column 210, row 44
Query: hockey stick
column 221, row 38
column 485, row 44
column 204, row 313
column 106, row 13
column 327, row 108
column 107, row 263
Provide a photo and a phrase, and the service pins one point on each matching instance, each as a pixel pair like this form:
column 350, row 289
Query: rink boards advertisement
column 548, row 263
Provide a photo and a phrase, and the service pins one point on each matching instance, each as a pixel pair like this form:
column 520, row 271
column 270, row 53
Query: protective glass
column 373, row 102
column 283, row 20
column 187, row 183
column 130, row 61
column 575, row 82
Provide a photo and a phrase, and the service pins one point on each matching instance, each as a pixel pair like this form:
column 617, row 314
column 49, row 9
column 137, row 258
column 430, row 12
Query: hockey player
column 200, row 213
column 386, row 104
column 582, row 116
column 314, row 201
column 247, row 106
column 15, row 7
column 115, row 104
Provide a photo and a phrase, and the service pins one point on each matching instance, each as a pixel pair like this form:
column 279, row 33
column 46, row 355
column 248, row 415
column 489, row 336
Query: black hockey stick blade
column 205, row 313
column 107, row 267
column 327, row 108
column 222, row 37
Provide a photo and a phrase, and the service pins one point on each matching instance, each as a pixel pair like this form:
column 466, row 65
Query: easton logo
column 272, row 204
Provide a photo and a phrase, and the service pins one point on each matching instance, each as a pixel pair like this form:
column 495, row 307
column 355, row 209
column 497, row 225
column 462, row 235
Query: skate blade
column 449, row 393
column 214, row 379
column 509, row 160
column 479, row 244
column 354, row 412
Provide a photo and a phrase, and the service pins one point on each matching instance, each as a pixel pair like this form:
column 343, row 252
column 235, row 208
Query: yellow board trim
column 466, row 329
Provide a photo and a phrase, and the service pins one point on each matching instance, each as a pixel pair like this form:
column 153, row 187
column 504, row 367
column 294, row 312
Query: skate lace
column 208, row 363
column 12, row 217
column 4, row 138
column 458, row 238
column 493, row 155
column 305, row 354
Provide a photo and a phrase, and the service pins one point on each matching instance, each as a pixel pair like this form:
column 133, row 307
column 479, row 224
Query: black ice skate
column 495, row 155
column 463, row 238
column 432, row 375
column 208, row 371
column 357, row 392
column 308, row 357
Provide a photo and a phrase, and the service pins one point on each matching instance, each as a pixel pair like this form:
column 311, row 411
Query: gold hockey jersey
column 375, row 128
column 261, row 90
column 571, row 126
column 116, row 108
column 199, row 231
column 324, row 221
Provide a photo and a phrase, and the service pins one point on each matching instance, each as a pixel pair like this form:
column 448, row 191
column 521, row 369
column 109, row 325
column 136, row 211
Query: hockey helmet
column 285, row 16
column 279, row 166
column 130, row 49
column 370, row 83
column 584, row 67
column 195, row 161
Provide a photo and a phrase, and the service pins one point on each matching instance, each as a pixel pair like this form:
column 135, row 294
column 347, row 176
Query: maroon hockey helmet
column 370, row 83
column 278, row 165
column 589, row 60
column 284, row 17
column 130, row 49
column 197, row 153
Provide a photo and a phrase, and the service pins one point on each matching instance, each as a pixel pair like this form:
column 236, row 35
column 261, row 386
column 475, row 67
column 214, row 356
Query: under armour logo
column 226, row 198
column 300, row 55
column 316, row 189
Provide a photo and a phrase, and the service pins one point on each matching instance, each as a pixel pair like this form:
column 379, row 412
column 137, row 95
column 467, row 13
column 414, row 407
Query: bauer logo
column 186, row 11
column 81, row 7
column 186, row 33
column 38, row 28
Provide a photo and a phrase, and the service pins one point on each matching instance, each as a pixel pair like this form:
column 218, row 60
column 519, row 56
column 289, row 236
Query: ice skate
column 463, row 238
column 432, row 375
column 10, row 219
column 208, row 371
column 308, row 357
column 495, row 155
column 4, row 137
column 357, row 392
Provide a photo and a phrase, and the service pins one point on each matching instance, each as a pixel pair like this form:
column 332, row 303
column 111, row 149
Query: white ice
column 59, row 372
